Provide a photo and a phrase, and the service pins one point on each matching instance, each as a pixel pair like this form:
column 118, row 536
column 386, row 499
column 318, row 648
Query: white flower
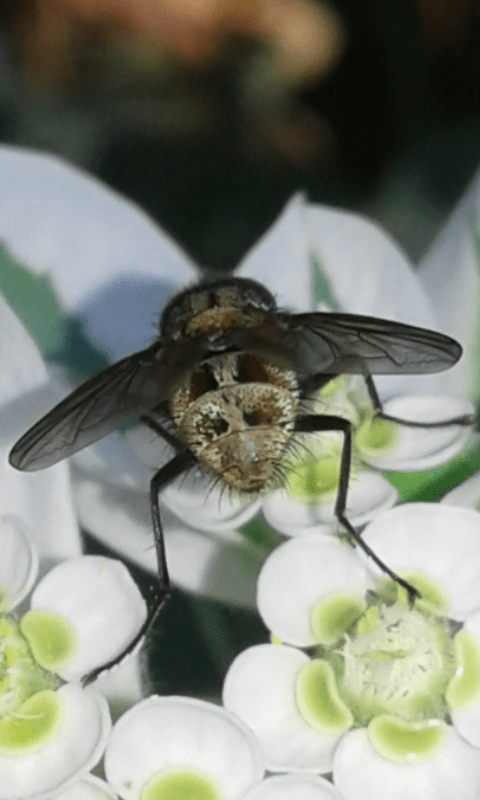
column 388, row 695
column 180, row 747
column 91, row 601
column 41, row 749
column 115, row 270
column 83, row 613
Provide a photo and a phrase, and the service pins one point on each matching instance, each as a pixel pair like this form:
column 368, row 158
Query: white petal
column 124, row 685
column 467, row 720
column 43, row 499
column 465, row 494
column 113, row 461
column 295, row 517
column 19, row 562
column 370, row 274
column 194, row 499
column 297, row 575
column 116, row 268
column 100, row 599
column 422, row 448
column 163, row 732
column 449, row 271
column 271, row 260
column 363, row 269
column 361, row 774
column 368, row 270
column 89, row 788
column 368, row 494
column 439, row 540
column 260, row 687
column 148, row 446
column 107, row 257
column 293, row 787
column 225, row 569
column 76, row 748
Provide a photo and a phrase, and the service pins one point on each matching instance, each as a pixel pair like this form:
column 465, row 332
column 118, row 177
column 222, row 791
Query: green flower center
column 316, row 475
column 398, row 661
column 52, row 639
column 391, row 668
column 376, row 434
column 34, row 723
column 28, row 705
column 181, row 784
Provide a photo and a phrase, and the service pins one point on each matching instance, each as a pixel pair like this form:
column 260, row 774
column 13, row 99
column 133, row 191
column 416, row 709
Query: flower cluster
column 357, row 681
column 82, row 613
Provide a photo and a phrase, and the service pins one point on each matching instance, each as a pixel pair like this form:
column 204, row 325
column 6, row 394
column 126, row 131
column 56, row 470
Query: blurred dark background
column 210, row 115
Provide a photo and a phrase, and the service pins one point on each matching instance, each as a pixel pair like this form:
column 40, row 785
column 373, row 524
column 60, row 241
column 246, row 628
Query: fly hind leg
column 311, row 423
column 464, row 419
column 162, row 478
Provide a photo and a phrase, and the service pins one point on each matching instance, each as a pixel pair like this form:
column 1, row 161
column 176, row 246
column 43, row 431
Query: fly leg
column 164, row 476
column 311, row 423
column 465, row 419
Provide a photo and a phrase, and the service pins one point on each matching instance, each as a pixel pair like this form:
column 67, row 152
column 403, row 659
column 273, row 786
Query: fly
column 223, row 384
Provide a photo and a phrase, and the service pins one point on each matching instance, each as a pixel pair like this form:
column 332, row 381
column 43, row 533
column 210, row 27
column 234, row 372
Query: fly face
column 236, row 414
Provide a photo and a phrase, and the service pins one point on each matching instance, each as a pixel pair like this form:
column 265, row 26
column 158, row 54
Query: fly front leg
column 162, row 478
column 464, row 419
column 316, row 423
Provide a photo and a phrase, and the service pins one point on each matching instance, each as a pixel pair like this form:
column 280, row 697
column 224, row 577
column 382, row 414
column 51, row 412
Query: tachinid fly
column 223, row 383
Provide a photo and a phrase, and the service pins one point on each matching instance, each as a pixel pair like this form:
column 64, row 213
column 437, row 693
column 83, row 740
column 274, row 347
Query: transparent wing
column 324, row 343
column 128, row 388
column 348, row 343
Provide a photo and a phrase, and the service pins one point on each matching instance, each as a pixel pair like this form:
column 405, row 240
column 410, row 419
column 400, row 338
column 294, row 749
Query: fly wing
column 349, row 343
column 331, row 343
column 128, row 388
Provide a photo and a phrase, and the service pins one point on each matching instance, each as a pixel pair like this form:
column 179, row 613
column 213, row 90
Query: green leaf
column 432, row 484
column 33, row 299
column 59, row 335
column 322, row 291
column 259, row 532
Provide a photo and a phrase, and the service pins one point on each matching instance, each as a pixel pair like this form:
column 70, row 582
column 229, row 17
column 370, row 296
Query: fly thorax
column 212, row 308
column 238, row 430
